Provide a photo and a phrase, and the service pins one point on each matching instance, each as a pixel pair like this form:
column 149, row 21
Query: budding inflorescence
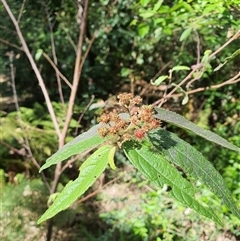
column 141, row 120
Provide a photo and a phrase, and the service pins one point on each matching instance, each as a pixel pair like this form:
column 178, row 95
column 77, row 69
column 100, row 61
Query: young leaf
column 90, row 170
column 80, row 144
column 180, row 67
column 157, row 169
column 147, row 14
column 38, row 55
column 193, row 162
column 159, row 80
column 185, row 34
column 111, row 158
column 143, row 30
column 144, row 2
column 157, row 5
column 180, row 121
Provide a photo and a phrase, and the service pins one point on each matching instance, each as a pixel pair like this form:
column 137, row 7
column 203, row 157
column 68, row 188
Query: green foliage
column 134, row 40
column 90, row 170
column 180, row 121
column 157, row 169
column 155, row 165
column 80, row 144
column 21, row 204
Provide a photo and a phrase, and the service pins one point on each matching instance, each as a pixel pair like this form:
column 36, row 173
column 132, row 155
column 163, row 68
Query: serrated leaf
column 159, row 80
column 157, row 169
column 193, row 162
column 180, row 67
column 90, row 170
column 78, row 145
column 180, row 121
column 185, row 34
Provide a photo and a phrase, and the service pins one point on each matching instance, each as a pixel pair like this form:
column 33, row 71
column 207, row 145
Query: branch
column 21, row 11
column 233, row 80
column 54, row 56
column 83, row 113
column 11, row 44
column 198, row 67
column 35, row 69
column 77, row 73
column 57, row 70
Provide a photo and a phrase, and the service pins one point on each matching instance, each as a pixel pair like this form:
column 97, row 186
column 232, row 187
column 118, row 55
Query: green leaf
column 193, row 162
column 157, row 5
column 143, row 30
column 146, row 14
column 180, row 121
column 180, row 67
column 38, row 55
column 185, row 98
column 78, row 145
column 90, row 170
column 145, row 2
column 185, row 34
column 205, row 59
column 157, row 169
column 126, row 71
column 159, row 80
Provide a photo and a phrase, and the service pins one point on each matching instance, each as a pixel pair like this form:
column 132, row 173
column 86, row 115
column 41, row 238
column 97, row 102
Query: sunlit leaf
column 90, row 170
column 180, row 67
column 180, row 121
column 78, row 145
column 145, row 2
column 185, row 34
column 159, row 80
column 185, row 98
column 38, row 55
column 147, row 14
column 143, row 30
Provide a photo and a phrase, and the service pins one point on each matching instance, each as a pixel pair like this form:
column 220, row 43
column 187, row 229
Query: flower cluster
column 141, row 120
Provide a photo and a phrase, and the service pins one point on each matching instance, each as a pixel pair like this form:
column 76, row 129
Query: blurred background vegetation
column 134, row 41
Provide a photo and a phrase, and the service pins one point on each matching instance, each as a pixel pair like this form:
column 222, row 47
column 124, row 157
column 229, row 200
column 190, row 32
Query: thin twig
column 197, row 67
column 83, row 113
column 233, row 80
column 21, row 11
column 11, row 44
column 76, row 77
column 234, row 37
column 87, row 51
column 54, row 54
column 57, row 70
